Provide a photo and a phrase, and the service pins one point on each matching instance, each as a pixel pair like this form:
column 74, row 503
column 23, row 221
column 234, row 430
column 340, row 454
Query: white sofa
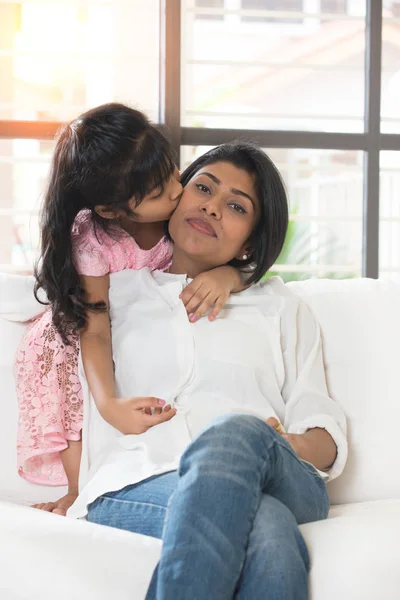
column 355, row 553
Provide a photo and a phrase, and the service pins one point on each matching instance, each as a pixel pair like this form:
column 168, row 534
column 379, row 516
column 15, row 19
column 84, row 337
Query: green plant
column 300, row 246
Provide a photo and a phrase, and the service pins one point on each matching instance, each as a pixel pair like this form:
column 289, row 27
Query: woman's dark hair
column 269, row 233
column 106, row 157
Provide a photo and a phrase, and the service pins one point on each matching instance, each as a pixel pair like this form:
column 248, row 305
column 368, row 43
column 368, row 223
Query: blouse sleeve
column 89, row 250
column 305, row 392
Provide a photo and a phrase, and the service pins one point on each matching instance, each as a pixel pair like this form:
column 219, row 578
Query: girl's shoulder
column 92, row 246
column 98, row 253
column 84, row 230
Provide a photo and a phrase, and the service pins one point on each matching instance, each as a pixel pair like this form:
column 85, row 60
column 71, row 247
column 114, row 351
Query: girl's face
column 160, row 203
column 155, row 207
column 217, row 213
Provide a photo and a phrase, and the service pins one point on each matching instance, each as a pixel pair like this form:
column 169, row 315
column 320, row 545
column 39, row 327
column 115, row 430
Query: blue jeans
column 228, row 518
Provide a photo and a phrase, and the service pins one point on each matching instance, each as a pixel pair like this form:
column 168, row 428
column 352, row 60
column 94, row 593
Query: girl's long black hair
column 106, row 157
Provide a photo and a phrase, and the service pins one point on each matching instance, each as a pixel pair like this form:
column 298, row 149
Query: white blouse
column 262, row 355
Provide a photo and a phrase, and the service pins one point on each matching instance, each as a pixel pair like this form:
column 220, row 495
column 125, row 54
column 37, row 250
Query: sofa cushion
column 17, row 301
column 355, row 553
column 354, row 556
column 45, row 556
column 360, row 322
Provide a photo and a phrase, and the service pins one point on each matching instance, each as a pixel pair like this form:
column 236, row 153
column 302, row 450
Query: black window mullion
column 373, row 67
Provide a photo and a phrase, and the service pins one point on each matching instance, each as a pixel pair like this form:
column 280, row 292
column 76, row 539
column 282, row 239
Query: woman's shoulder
column 272, row 286
column 293, row 307
column 273, row 297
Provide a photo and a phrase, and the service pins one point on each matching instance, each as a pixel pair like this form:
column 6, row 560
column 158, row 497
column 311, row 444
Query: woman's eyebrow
column 233, row 190
column 211, row 176
column 240, row 193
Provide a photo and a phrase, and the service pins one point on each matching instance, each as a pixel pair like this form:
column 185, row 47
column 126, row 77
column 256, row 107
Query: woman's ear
column 107, row 213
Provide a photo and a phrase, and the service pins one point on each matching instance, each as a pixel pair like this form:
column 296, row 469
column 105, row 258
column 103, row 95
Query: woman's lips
column 202, row 226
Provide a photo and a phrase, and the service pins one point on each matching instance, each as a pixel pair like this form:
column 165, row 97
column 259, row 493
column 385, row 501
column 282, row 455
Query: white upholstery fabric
column 360, row 322
column 17, row 302
column 354, row 556
column 47, row 557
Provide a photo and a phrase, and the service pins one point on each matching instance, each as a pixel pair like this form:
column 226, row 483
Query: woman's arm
column 128, row 415
column 315, row 446
column 315, row 424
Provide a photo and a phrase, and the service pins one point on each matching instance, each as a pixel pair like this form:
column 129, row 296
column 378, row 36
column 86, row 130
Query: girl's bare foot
column 59, row 507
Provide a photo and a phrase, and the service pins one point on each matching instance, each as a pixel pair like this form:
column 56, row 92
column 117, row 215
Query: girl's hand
column 134, row 415
column 208, row 289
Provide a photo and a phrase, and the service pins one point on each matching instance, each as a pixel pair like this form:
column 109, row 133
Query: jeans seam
column 142, row 503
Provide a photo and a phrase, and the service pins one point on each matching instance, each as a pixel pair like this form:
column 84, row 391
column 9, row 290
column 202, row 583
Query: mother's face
column 216, row 215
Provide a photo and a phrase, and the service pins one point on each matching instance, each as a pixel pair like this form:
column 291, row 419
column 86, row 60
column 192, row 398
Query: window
column 273, row 5
column 104, row 50
column 389, row 239
column 275, row 76
column 209, row 4
column 334, row 6
column 391, row 69
column 292, row 76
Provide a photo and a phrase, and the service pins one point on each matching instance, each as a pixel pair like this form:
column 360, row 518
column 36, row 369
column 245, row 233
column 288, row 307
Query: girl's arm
column 128, row 415
column 96, row 345
column 211, row 288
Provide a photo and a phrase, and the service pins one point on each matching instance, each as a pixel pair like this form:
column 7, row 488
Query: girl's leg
column 222, row 476
column 277, row 561
column 140, row 508
column 71, row 459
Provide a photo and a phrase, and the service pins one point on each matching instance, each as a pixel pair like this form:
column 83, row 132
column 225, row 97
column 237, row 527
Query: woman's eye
column 203, row 188
column 238, row 207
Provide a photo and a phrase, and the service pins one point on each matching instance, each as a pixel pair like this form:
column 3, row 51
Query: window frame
column 370, row 142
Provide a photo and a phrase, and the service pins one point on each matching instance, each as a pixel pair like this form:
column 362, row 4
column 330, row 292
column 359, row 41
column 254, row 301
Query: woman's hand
column 135, row 415
column 208, row 289
column 315, row 445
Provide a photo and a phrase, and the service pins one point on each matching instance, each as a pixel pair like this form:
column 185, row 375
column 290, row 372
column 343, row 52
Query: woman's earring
column 245, row 257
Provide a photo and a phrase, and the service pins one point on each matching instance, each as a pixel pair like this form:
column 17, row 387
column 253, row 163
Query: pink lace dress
column 46, row 370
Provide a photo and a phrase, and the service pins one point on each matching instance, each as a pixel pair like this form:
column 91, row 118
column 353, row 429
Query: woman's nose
column 211, row 208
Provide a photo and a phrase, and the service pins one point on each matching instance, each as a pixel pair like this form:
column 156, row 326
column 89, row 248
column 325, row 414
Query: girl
column 113, row 184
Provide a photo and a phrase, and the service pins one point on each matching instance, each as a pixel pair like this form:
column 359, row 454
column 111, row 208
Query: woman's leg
column 277, row 562
column 140, row 508
column 222, row 476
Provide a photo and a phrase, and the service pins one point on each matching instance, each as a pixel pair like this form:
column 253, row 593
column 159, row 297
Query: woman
column 234, row 489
